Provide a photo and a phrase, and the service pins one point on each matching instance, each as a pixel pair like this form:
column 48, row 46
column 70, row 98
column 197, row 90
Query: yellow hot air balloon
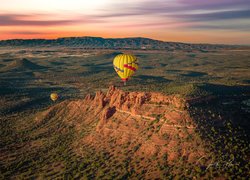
column 54, row 96
column 125, row 65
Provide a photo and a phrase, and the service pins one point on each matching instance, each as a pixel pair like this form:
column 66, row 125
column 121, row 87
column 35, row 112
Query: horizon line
column 123, row 38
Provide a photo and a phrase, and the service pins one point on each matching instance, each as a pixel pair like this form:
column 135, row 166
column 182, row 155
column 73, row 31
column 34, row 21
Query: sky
column 194, row 21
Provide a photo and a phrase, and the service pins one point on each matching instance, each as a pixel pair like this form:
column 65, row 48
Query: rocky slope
column 149, row 132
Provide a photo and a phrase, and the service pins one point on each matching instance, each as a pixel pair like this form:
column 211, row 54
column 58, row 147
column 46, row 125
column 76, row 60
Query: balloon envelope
column 125, row 65
column 53, row 96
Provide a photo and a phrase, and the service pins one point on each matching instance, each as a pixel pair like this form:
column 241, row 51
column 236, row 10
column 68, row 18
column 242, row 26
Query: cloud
column 166, row 24
column 214, row 4
column 116, row 14
column 26, row 33
column 180, row 8
column 222, row 27
column 215, row 16
column 183, row 12
column 41, row 20
column 141, row 14
column 148, row 7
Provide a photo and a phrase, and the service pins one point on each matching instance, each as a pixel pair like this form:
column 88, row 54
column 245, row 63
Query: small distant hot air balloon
column 54, row 96
column 125, row 65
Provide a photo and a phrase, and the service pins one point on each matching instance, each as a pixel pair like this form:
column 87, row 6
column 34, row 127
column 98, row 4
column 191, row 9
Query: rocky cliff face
column 133, row 127
column 136, row 103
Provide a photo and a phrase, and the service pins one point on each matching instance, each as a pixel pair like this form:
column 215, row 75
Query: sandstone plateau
column 147, row 130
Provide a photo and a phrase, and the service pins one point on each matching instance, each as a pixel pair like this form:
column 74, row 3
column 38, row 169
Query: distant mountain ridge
column 110, row 43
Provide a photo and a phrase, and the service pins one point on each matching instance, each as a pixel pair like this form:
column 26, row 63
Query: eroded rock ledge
column 136, row 103
column 143, row 124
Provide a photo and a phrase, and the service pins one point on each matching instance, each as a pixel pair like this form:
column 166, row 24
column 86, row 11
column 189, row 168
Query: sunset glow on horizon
column 195, row 21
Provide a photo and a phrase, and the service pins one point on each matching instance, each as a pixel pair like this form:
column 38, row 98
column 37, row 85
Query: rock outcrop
column 144, row 124
column 139, row 103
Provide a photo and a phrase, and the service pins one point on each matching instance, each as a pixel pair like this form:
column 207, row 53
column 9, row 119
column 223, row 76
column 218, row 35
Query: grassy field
column 28, row 76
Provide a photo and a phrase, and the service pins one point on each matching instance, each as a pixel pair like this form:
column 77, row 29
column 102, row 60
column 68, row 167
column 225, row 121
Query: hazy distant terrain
column 113, row 43
column 39, row 138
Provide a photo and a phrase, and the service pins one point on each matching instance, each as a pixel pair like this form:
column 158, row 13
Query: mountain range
column 111, row 43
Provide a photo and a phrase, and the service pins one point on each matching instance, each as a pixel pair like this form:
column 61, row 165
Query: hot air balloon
column 54, row 96
column 125, row 65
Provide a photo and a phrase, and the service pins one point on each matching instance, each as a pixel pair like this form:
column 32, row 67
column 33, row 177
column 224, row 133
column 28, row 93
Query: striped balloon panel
column 125, row 65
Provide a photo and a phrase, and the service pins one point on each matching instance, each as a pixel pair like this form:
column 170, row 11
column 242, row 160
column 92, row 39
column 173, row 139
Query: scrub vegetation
column 31, row 149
